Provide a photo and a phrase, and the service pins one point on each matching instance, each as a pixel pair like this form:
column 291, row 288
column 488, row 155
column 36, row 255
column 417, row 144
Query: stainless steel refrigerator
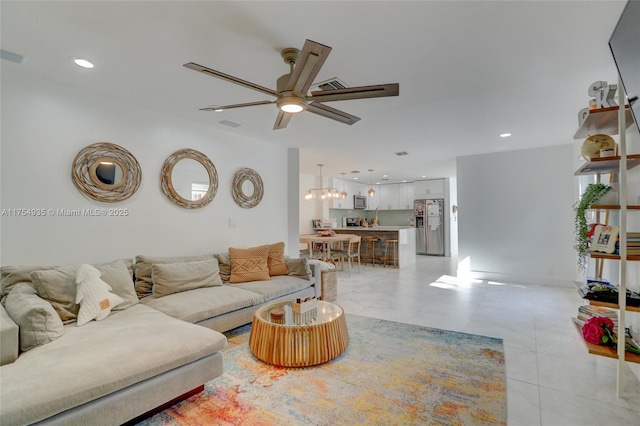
column 429, row 220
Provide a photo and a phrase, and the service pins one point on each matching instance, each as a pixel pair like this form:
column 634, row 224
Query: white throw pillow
column 93, row 295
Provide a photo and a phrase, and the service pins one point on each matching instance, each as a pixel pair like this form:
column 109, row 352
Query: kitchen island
column 406, row 236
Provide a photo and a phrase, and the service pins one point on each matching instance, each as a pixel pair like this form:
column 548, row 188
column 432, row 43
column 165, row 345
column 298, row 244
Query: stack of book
column 633, row 244
column 587, row 311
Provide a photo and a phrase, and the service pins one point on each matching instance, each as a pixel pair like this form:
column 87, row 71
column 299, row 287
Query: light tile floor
column 551, row 379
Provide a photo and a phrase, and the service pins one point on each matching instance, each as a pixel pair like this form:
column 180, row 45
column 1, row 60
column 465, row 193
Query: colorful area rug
column 391, row 374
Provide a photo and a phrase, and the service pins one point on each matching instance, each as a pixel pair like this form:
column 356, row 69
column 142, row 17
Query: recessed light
column 355, row 178
column 424, row 175
column 505, row 135
column 404, row 181
column 385, row 175
column 82, row 63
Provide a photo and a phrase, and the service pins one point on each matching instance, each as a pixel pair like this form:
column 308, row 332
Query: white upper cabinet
column 343, row 185
column 407, row 196
column 429, row 188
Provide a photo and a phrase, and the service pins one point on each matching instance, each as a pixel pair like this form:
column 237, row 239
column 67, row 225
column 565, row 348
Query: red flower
column 598, row 331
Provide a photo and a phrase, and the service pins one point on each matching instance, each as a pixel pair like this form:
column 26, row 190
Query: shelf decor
column 593, row 193
column 604, row 238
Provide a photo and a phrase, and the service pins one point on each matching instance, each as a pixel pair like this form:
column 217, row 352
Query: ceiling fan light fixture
column 291, row 104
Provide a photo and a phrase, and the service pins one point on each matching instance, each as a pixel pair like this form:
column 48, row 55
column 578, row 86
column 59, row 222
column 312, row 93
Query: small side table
column 303, row 340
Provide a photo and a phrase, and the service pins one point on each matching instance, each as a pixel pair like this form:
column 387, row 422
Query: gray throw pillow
column 169, row 278
column 299, row 267
column 144, row 282
column 38, row 321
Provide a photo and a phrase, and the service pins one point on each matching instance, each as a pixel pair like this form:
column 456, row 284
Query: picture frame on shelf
column 604, row 238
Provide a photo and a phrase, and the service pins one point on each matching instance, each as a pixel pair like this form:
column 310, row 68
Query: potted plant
column 593, row 193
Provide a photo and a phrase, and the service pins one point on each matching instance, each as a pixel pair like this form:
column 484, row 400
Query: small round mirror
column 189, row 179
column 106, row 172
column 247, row 188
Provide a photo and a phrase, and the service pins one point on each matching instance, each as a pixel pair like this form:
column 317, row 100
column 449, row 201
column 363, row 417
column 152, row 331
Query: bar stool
column 393, row 244
column 370, row 247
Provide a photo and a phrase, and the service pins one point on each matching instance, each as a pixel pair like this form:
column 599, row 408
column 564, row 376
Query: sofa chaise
column 160, row 345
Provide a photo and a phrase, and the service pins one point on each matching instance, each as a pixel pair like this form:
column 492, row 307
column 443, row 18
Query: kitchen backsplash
column 385, row 217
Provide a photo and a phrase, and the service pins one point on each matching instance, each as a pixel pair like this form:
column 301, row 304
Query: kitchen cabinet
column 343, row 185
column 396, row 196
column 407, row 195
column 389, row 197
column 431, row 188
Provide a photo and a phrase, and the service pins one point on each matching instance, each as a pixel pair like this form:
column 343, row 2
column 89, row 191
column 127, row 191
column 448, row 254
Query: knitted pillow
column 93, row 295
column 275, row 260
column 249, row 264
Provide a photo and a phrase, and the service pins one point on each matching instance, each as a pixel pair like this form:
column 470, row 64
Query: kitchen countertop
column 370, row 228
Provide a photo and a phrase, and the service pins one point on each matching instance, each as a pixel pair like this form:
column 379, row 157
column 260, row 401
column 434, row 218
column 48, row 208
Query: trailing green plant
column 593, row 193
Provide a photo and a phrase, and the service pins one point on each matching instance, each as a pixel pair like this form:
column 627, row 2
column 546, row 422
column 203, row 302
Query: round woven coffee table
column 298, row 340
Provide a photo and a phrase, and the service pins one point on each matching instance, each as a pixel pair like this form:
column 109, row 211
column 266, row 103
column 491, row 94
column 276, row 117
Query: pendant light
column 325, row 192
column 343, row 194
column 371, row 191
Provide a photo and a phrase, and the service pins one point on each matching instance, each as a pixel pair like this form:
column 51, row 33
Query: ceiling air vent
column 331, row 84
column 230, row 123
column 401, row 153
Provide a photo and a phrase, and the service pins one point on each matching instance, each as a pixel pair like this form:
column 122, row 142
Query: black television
column 625, row 48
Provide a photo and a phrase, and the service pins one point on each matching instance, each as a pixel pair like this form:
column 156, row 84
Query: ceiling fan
column 291, row 94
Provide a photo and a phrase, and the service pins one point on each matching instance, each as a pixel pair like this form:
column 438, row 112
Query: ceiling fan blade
column 361, row 92
column 230, row 78
column 332, row 113
column 282, row 120
column 223, row 107
column 308, row 64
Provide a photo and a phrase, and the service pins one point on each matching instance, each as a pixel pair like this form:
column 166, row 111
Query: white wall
column 44, row 125
column 516, row 215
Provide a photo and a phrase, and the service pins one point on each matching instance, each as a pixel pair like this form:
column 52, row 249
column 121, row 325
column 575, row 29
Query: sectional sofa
column 159, row 345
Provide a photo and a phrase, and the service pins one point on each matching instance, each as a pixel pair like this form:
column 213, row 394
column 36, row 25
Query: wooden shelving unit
column 598, row 255
column 612, row 207
column 613, row 305
column 607, row 351
column 613, row 121
column 602, row 121
column 606, row 165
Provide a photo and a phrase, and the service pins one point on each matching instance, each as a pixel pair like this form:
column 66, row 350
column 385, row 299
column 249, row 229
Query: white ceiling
column 468, row 71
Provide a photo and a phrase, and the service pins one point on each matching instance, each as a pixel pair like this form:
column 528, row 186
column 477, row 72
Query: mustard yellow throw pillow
column 275, row 260
column 249, row 264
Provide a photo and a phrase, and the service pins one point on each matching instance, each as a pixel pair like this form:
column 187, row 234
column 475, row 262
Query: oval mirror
column 189, row 179
column 106, row 172
column 247, row 188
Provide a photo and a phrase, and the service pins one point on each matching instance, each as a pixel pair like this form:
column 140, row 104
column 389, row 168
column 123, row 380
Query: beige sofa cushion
column 171, row 278
column 58, row 286
column 144, row 281
column 276, row 287
column 249, row 264
column 38, row 321
column 299, row 268
column 122, row 284
column 224, row 263
column 275, row 260
column 98, row 359
column 204, row 303
column 19, row 274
